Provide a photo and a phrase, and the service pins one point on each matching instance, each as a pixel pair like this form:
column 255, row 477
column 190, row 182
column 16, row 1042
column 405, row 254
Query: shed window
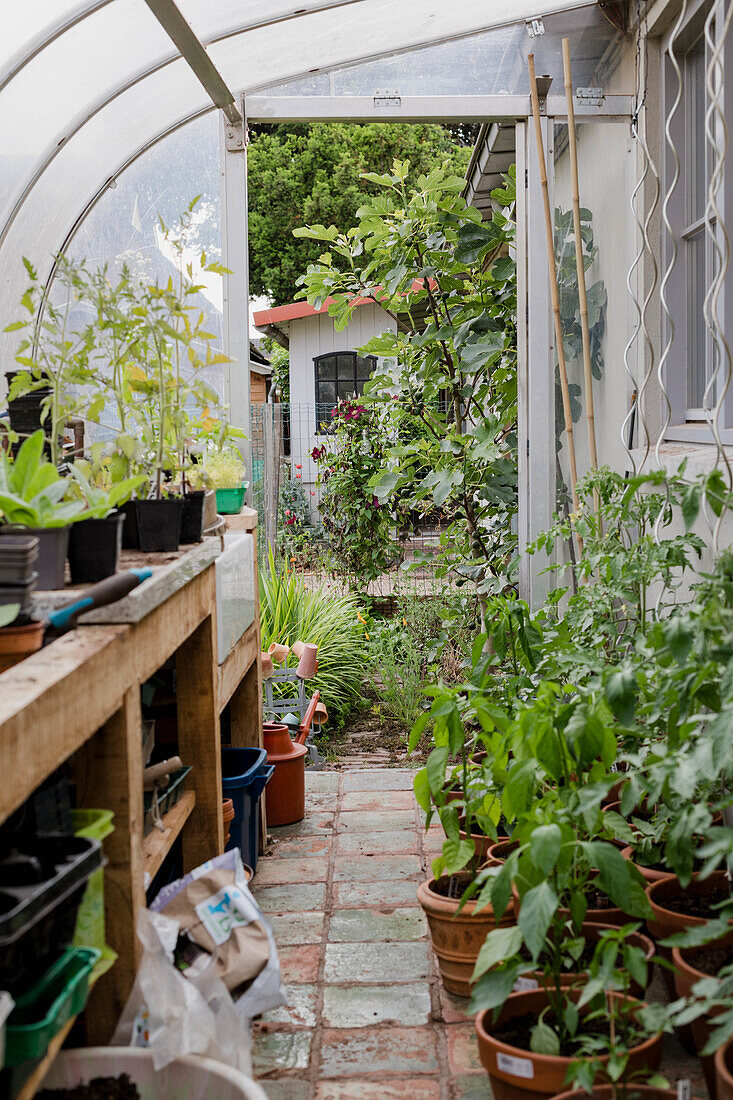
column 340, row 375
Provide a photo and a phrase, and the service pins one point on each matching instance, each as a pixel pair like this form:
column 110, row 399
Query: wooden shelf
column 35, row 1080
column 157, row 845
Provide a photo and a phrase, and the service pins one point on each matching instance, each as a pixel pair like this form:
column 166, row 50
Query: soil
column 692, row 905
column 372, row 739
column 517, row 1031
column 451, row 886
column 710, row 960
column 101, row 1088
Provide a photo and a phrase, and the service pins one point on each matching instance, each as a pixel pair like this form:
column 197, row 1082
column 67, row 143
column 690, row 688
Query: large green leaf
column 544, row 847
column 499, row 945
column 538, row 907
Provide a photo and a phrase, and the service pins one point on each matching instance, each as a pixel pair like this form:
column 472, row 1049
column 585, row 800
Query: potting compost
column 101, row 1088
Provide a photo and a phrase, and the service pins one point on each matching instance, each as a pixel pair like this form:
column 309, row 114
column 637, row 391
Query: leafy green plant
column 399, row 665
column 101, row 502
column 289, row 612
column 224, row 469
column 32, row 492
column 357, row 525
column 446, row 381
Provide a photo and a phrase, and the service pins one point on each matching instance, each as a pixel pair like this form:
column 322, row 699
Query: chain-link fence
column 287, row 495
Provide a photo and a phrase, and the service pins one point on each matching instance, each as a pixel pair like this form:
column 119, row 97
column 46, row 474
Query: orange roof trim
column 293, row 310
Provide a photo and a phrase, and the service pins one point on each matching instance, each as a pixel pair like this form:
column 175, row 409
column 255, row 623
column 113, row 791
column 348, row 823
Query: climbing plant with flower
column 446, row 383
column 357, row 527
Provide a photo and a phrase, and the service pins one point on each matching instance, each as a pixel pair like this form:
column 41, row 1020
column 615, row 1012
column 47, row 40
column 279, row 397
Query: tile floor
column 367, row 1017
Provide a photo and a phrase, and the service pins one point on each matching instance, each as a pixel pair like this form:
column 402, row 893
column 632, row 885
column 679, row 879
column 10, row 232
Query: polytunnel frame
column 536, row 363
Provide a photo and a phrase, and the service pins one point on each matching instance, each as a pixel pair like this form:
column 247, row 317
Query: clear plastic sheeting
column 88, row 86
column 492, row 63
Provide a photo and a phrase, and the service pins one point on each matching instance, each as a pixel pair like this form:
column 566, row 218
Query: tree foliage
column 307, row 174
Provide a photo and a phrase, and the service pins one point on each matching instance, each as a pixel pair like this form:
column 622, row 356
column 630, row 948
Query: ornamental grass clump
column 289, row 613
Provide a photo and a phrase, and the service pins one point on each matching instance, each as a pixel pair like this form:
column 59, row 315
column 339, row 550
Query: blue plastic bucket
column 245, row 774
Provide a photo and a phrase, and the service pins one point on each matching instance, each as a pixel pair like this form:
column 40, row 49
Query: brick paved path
column 368, row 1018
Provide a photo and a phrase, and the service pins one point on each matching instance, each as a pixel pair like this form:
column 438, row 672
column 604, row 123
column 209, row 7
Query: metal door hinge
column 593, row 97
column 389, row 100
column 235, row 137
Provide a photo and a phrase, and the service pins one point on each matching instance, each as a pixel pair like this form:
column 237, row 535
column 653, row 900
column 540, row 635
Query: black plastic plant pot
column 130, row 532
column 192, row 523
column 159, row 523
column 25, row 412
column 94, row 548
column 53, row 544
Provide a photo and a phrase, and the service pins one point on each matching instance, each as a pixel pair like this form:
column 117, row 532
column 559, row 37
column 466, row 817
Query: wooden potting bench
column 80, row 697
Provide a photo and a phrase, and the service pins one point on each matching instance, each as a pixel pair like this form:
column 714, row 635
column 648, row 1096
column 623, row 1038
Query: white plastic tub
column 189, row 1078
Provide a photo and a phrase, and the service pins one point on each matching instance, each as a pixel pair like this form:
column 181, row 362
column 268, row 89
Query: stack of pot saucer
column 18, row 554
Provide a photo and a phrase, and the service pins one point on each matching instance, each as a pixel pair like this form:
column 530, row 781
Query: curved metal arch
column 48, row 36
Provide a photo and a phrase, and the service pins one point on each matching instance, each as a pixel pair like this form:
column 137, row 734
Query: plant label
column 523, row 984
column 517, row 1067
column 683, row 1088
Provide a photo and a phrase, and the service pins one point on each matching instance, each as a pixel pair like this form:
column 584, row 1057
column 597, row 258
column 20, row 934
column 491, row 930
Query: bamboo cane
column 580, row 266
column 554, row 293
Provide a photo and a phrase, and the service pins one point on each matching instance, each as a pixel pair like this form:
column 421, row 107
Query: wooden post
column 580, row 265
column 197, row 685
column 553, row 284
column 110, row 775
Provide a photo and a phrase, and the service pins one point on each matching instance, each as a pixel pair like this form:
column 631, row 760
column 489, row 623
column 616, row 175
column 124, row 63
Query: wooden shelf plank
column 34, row 1082
column 157, row 845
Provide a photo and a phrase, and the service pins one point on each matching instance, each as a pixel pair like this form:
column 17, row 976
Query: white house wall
column 310, row 337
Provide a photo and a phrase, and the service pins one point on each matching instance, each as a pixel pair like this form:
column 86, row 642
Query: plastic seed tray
column 40, row 890
column 42, row 1011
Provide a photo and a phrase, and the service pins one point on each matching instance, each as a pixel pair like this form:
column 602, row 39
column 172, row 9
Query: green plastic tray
column 40, row 1013
column 89, row 930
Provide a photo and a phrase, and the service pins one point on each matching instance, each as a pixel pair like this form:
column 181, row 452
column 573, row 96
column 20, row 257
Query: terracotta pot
column 497, row 853
column 666, row 922
column 267, row 666
column 651, row 874
column 285, row 793
column 724, row 1071
column 457, row 937
column 517, row 1073
column 686, row 974
column 278, row 652
column 227, row 812
column 481, row 842
column 608, row 1092
column 307, row 663
column 18, row 642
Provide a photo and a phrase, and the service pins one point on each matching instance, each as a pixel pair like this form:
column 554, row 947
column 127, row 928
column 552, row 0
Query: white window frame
column 689, row 424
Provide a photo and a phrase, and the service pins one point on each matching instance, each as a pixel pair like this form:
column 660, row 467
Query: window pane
column 364, row 366
column 346, row 367
column 326, row 367
column 326, row 393
column 697, row 160
column 346, row 389
column 697, row 374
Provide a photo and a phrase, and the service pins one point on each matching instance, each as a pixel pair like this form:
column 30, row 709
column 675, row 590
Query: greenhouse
column 366, row 587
